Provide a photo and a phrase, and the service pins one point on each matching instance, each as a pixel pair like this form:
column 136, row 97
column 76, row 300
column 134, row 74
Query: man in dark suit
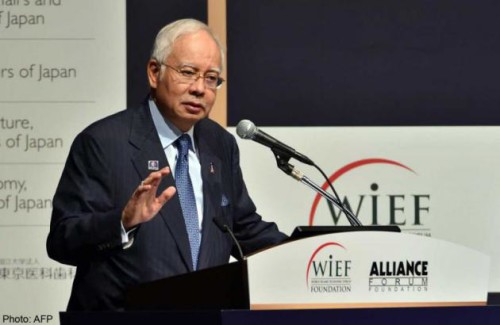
column 119, row 213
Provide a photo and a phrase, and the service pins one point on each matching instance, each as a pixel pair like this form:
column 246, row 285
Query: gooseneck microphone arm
column 283, row 164
column 221, row 223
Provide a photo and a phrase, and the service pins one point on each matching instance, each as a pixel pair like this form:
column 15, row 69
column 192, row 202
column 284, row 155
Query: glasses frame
column 219, row 83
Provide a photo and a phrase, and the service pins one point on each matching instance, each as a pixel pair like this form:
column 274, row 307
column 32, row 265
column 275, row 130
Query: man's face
column 185, row 103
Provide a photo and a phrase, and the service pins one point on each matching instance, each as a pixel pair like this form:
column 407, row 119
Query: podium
column 347, row 270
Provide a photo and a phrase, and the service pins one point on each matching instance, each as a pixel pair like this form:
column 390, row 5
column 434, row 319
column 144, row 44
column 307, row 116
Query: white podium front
column 367, row 269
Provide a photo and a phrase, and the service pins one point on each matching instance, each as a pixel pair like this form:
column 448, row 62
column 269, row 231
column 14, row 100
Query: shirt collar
column 167, row 131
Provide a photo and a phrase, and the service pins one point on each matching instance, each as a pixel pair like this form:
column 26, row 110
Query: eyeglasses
column 189, row 75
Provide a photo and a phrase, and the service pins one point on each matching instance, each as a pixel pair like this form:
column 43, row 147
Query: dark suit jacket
column 106, row 163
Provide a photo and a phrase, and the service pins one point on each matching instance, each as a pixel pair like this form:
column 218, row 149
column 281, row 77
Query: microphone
column 222, row 225
column 247, row 130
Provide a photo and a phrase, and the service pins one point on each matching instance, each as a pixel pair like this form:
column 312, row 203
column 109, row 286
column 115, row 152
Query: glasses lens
column 211, row 80
column 190, row 75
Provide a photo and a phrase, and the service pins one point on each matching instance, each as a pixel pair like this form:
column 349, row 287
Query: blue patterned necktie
column 186, row 196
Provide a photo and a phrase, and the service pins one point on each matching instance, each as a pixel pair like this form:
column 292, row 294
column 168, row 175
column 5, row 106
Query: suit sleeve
column 252, row 232
column 85, row 223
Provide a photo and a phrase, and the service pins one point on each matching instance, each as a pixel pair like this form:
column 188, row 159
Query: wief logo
column 328, row 269
column 380, row 192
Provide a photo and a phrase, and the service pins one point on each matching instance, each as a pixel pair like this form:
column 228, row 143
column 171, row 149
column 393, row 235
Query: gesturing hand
column 144, row 204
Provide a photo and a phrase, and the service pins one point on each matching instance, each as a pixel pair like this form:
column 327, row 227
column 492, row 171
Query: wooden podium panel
column 222, row 287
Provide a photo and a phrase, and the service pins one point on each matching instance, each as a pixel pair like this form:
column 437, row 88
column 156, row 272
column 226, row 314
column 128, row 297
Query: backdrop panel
column 363, row 62
column 62, row 66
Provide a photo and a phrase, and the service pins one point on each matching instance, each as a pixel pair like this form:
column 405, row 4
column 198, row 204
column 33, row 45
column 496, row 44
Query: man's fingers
column 165, row 171
column 145, row 199
column 142, row 188
column 166, row 195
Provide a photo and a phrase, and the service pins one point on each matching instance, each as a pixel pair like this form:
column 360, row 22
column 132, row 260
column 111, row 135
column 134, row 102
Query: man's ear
column 153, row 71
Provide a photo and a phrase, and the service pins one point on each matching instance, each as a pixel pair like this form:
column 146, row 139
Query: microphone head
column 246, row 129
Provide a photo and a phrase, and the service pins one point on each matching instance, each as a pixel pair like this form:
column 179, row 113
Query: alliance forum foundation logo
column 399, row 276
column 380, row 192
column 328, row 270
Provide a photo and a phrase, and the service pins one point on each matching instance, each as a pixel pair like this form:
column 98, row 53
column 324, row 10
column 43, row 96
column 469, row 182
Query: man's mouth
column 193, row 107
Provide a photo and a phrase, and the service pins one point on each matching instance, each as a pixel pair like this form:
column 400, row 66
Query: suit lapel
column 145, row 138
column 210, row 172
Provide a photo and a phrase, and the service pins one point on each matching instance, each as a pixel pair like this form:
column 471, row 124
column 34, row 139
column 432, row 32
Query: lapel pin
column 153, row 165
column 212, row 169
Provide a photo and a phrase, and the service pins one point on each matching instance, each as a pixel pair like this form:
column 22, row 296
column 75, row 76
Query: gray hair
column 168, row 35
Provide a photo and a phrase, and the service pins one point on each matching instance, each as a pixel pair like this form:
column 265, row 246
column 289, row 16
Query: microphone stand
column 282, row 159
